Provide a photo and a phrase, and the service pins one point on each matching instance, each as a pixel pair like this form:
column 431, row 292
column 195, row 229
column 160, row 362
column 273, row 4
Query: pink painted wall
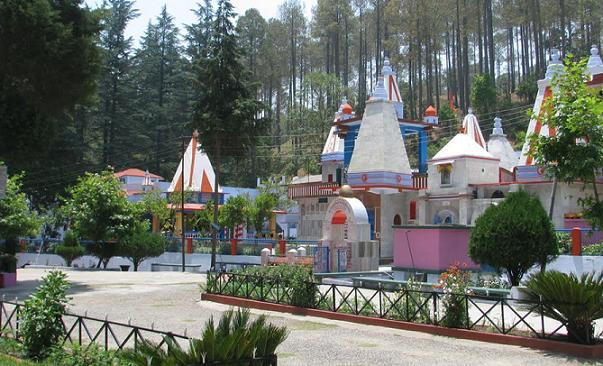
column 432, row 248
column 587, row 237
column 8, row 279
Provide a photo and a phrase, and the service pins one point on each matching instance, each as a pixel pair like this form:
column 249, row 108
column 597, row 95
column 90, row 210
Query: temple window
column 445, row 170
column 397, row 220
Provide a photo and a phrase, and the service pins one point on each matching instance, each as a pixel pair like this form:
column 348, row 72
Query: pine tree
column 225, row 113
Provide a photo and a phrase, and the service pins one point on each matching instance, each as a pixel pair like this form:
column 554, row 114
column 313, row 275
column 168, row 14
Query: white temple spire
column 555, row 65
column 471, row 128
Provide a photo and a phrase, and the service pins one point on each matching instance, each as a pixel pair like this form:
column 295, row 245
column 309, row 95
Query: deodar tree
column 575, row 152
column 513, row 236
column 16, row 217
column 226, row 110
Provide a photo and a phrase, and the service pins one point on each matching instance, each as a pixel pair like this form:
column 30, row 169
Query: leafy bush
column 513, row 236
column 594, row 249
column 299, row 279
column 71, row 249
column 234, row 338
column 455, row 285
column 41, row 324
column 569, row 299
column 8, row 263
column 564, row 243
column 91, row 355
column 142, row 244
column 410, row 305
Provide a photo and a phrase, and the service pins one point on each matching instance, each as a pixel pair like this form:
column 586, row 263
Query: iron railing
column 477, row 312
column 84, row 330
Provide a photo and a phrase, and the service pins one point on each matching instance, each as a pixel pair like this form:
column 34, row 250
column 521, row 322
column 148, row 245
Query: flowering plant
column 455, row 285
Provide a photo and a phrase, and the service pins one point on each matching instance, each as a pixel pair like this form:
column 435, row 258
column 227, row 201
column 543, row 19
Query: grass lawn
column 11, row 361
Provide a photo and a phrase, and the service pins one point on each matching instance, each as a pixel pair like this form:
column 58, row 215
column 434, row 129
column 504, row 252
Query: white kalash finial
column 497, row 126
column 594, row 60
column 470, row 110
column 380, row 93
column 387, row 68
column 555, row 65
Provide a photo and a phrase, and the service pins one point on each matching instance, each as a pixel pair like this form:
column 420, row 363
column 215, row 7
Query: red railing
column 419, row 181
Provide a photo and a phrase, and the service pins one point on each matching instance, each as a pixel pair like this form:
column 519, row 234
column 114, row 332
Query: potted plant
column 8, row 270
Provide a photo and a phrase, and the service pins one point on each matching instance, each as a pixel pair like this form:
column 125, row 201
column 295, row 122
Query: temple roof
column 379, row 149
column 501, row 148
column 334, row 144
column 462, row 145
column 135, row 172
column 199, row 174
column 471, row 128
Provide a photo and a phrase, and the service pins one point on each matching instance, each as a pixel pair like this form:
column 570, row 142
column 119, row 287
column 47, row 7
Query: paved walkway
column 170, row 300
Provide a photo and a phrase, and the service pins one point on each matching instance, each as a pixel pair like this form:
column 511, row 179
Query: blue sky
column 181, row 11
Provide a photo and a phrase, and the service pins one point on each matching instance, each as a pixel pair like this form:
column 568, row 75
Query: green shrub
column 41, row 325
column 411, row 304
column 76, row 355
column 514, row 236
column 8, row 263
column 578, row 302
column 234, row 338
column 299, row 279
column 564, row 243
column 140, row 245
column 455, row 286
column 594, row 249
column 71, row 249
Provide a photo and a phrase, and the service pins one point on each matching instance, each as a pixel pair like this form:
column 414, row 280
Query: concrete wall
column 392, row 205
column 574, row 264
column 432, row 248
column 465, row 171
column 168, row 257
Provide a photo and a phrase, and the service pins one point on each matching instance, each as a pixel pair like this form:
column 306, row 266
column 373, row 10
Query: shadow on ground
column 24, row 288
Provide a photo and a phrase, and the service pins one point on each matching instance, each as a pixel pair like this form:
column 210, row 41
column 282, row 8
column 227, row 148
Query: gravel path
column 170, row 300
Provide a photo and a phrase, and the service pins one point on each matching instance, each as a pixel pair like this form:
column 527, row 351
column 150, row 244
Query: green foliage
column 153, row 203
column 297, row 280
column 70, row 249
column 8, row 263
column 575, row 153
column 99, row 210
column 577, row 301
column 140, row 245
column 483, row 94
column 90, row 355
column 236, row 337
column 594, row 249
column 564, row 243
column 16, row 217
column 412, row 304
column 528, row 88
column 513, row 236
column 455, row 286
column 41, row 325
column 261, row 210
column 235, row 211
column 52, row 66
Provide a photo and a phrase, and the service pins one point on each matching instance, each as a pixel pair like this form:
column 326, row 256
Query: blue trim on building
column 380, row 179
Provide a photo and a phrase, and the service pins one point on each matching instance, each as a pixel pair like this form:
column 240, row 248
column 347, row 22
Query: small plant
column 41, row 325
column 8, row 263
column 76, row 355
column 455, row 286
column 576, row 301
column 594, row 249
column 411, row 304
column 564, row 243
column 71, row 249
column 235, row 338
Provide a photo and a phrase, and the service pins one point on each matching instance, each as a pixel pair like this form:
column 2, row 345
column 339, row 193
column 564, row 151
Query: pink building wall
column 588, row 237
column 433, row 248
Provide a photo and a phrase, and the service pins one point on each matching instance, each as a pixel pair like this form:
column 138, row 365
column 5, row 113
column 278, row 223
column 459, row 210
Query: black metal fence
column 467, row 311
column 109, row 335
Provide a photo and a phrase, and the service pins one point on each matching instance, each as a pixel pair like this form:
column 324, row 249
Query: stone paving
column 170, row 300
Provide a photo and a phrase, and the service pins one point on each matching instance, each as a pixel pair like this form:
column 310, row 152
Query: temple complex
column 429, row 207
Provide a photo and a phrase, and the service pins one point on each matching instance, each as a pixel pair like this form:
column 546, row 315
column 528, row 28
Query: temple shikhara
column 368, row 184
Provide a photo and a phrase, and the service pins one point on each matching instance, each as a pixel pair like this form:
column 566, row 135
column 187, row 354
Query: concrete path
column 170, row 300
